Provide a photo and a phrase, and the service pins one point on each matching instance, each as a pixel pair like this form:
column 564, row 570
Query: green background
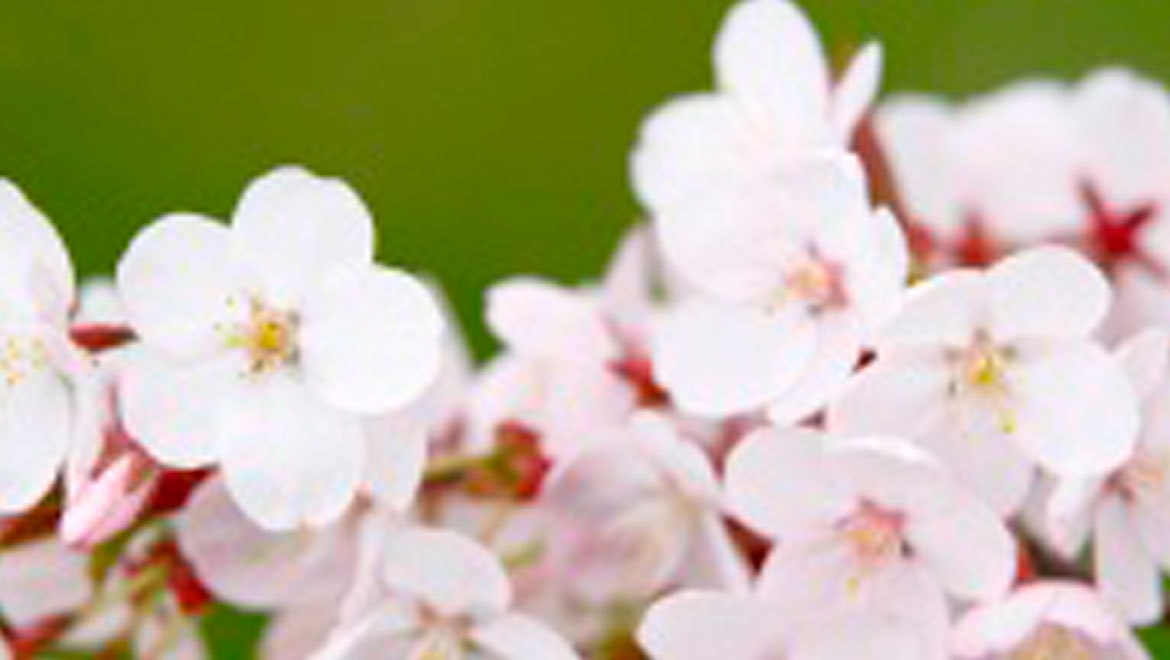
column 489, row 136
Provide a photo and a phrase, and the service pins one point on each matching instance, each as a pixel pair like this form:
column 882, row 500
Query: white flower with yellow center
column 267, row 344
column 997, row 372
column 46, row 381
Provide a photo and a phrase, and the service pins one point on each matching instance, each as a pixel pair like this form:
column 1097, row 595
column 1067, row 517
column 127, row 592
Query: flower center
column 982, row 373
column 20, row 357
column 876, row 537
column 267, row 336
column 1055, row 643
column 815, row 282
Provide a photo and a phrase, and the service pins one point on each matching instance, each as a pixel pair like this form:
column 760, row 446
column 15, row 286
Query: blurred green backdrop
column 489, row 136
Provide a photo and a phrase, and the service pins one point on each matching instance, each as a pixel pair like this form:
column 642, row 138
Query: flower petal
column 395, row 459
column 176, row 281
column 700, row 625
column 449, row 572
column 1124, row 570
column 287, row 458
column 370, row 339
column 856, row 90
column 719, row 359
column 291, row 227
column 1046, row 292
column 944, row 309
column 42, row 579
column 33, row 250
column 518, row 637
column 540, row 319
column 36, row 431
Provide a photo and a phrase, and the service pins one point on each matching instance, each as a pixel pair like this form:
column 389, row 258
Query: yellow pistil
column 20, row 357
column 983, row 372
column 875, row 536
column 1055, row 643
column 267, row 336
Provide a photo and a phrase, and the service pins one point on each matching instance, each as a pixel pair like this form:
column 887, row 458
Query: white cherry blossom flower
column 776, row 106
column 1127, row 512
column 996, row 372
column 649, row 500
column 44, row 376
column 268, row 343
column 441, row 595
column 795, row 278
column 1045, row 620
column 870, row 527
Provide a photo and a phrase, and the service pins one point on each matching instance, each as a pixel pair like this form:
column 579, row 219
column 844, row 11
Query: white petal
column 295, row 634
column 865, row 636
column 395, row 459
column 1125, row 572
column 33, row 250
column 1077, row 411
column 36, row 431
column 856, row 90
column 248, row 566
column 915, row 132
column 172, row 409
column 901, row 393
column 370, row 339
column 42, row 579
column 700, row 625
column 1145, row 358
column 945, row 309
column 1045, row 292
column 778, row 483
column 287, row 458
column 543, row 320
column 177, row 282
column 838, row 347
column 291, row 227
column 449, row 572
column 768, row 57
column 518, row 637
column 1068, row 514
column 716, row 360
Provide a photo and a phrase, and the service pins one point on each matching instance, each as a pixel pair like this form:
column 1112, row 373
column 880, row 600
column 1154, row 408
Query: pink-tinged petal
column 903, row 393
column 945, row 309
column 777, row 482
column 877, row 275
column 866, row 636
column 914, row 131
column 396, row 456
column 172, row 408
column 107, row 504
column 718, row 359
column 250, row 567
column 36, row 431
column 973, row 445
column 518, row 637
column 542, row 320
column 1046, row 292
column 856, row 90
column 1124, row 570
column 1124, row 121
column 838, row 347
column 42, row 579
column 688, row 142
column 715, row 561
column 964, row 544
column 177, row 282
column 288, row 458
column 1145, row 358
column 291, row 228
column 768, row 57
column 293, row 634
column 700, row 625
column 1151, row 518
column 1068, row 514
column 34, row 252
column 389, row 631
column 450, row 572
column 1077, row 412
column 370, row 339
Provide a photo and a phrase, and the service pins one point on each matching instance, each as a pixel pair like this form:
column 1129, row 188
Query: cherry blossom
column 866, row 525
column 650, row 501
column 1126, row 511
column 1045, row 620
column 775, row 108
column 266, row 344
column 996, row 371
column 443, row 595
column 797, row 277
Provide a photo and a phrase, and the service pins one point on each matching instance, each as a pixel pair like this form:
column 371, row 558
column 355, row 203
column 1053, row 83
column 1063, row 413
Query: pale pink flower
column 996, row 372
column 42, row 579
column 1045, row 620
column 1127, row 512
column 441, row 595
column 649, row 503
column 868, row 526
column 794, row 278
column 267, row 344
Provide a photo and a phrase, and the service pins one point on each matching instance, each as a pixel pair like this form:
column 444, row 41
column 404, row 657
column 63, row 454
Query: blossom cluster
column 869, row 382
